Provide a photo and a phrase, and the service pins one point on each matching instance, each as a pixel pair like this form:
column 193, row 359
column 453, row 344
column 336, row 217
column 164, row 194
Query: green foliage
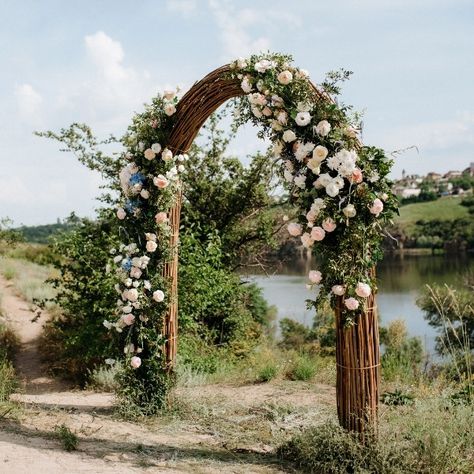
column 403, row 355
column 268, row 372
column 397, row 398
column 214, row 304
column 8, row 346
column 214, row 204
column 8, row 235
column 302, row 367
column 67, row 438
column 76, row 339
column 456, row 232
column 430, row 436
column 41, row 234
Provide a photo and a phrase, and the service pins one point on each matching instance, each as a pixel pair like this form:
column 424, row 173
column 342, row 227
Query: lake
column 400, row 280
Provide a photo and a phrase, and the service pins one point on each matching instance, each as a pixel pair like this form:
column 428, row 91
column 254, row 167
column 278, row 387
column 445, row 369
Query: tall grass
column 28, row 278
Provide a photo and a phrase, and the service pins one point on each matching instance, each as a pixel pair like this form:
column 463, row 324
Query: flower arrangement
column 340, row 187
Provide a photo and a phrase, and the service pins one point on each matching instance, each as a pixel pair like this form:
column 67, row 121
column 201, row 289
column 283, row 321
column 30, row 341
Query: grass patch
column 432, row 436
column 28, row 278
column 445, row 208
column 67, row 438
column 103, row 378
column 8, row 345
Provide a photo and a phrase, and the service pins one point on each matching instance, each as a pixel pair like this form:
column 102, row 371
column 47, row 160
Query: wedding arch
column 339, row 185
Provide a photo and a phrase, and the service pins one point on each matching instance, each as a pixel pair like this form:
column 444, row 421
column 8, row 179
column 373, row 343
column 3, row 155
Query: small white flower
column 151, row 246
column 156, row 147
column 121, row 214
column 107, row 324
column 303, row 118
column 147, row 285
column 144, row 194
column 300, row 181
column 263, row 65
column 332, row 189
column 169, row 95
column 241, row 63
column 349, row 210
column 246, row 85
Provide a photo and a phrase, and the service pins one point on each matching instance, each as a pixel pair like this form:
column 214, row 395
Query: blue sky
column 97, row 61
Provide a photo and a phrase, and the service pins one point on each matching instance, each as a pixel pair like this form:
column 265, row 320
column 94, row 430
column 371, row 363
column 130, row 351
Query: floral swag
column 340, row 187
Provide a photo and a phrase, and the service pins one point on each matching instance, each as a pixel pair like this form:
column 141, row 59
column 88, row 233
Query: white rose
column 289, row 136
column 246, row 85
column 151, row 246
column 306, row 240
column 349, row 211
column 276, row 125
column 320, row 153
column 256, row 111
column 241, row 63
column 156, row 147
column 158, row 296
column 332, row 189
column 167, row 155
column 323, row 128
column 169, row 95
column 288, row 175
column 132, row 294
column 302, row 118
column 169, row 109
column 300, row 181
column 314, row 165
column 302, row 74
column 263, row 65
column 282, row 117
column 285, row 77
column 144, row 194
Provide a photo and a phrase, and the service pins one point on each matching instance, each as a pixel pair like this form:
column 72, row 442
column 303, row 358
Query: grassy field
column 446, row 208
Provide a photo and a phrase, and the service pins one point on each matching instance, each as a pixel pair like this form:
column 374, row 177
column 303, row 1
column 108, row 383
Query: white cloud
column 29, row 101
column 184, row 7
column 233, row 26
column 439, row 135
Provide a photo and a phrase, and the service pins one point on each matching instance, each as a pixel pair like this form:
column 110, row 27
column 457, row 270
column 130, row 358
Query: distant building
column 452, row 174
column 469, row 170
column 434, row 176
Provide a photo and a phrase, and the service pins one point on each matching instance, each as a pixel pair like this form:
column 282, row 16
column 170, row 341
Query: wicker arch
column 357, row 350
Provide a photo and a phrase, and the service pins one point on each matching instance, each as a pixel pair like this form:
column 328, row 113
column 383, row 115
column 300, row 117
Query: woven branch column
column 358, row 369
column 357, row 350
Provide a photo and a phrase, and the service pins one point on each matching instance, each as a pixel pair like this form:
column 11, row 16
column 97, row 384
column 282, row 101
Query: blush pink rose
column 329, row 225
column 121, row 214
column 306, row 240
column 318, row 233
column 351, row 303
column 315, row 277
column 377, row 207
column 160, row 181
column 161, row 217
column 135, row 272
column 135, row 362
column 363, row 290
column 151, row 246
column 158, row 296
column 149, row 154
column 338, row 290
column 357, row 176
column 294, row 229
column 128, row 319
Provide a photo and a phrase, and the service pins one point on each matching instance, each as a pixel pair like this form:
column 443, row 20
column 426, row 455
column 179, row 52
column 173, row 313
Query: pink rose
column 132, row 295
column 149, row 154
column 363, row 290
column 318, row 233
column 135, row 272
column 285, row 77
column 161, row 217
column 169, row 109
column 356, row 176
column 135, row 362
column 306, row 240
column 351, row 303
column 338, row 290
column 315, row 277
column 128, row 319
column 121, row 214
column 160, row 181
column 167, row 155
column 294, row 229
column 329, row 225
column 377, row 207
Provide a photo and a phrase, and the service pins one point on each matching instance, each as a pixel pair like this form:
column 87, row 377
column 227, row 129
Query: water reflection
column 401, row 278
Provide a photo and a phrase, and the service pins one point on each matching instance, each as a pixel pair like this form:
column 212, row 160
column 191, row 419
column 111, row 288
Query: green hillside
column 445, row 208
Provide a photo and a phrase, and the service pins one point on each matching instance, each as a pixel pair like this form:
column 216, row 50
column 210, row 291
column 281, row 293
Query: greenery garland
column 341, row 187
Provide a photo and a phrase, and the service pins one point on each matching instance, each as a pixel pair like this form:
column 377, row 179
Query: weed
column 67, row 438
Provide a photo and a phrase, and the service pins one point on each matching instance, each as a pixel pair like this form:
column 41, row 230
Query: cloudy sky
column 97, row 61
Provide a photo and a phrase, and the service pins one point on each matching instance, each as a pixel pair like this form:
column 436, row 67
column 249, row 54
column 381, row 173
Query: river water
column 400, row 280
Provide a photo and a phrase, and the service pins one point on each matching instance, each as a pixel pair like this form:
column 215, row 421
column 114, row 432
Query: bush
column 302, row 368
column 268, row 372
column 8, row 345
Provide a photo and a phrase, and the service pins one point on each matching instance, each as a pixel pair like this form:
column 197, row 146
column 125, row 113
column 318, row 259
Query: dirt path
column 216, row 428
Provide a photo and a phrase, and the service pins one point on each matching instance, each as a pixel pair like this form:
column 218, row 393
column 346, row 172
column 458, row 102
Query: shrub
column 268, row 372
column 8, row 345
column 67, row 438
column 302, row 368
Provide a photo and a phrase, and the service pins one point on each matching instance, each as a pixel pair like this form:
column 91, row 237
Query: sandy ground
column 220, row 429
